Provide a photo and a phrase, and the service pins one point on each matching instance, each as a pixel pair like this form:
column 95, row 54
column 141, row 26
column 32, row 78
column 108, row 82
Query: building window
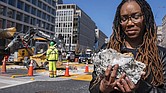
column 2, row 10
column 25, row 29
column 33, row 11
column 10, row 13
column 18, row 27
column 44, row 7
column 49, row 9
column 12, row 2
column 26, row 18
column 10, row 24
column 39, row 4
column 53, row 20
column 19, row 16
column 38, row 23
column 1, row 22
column 34, row 2
column 53, row 3
column 39, row 13
column 32, row 21
column 27, row 8
column 44, row 16
column 20, row 5
column 48, row 17
column 53, row 12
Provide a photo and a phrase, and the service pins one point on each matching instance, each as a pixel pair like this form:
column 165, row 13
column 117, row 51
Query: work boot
column 54, row 74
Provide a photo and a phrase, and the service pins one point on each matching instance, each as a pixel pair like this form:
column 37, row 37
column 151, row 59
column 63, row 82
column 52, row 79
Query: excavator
column 32, row 46
column 5, row 34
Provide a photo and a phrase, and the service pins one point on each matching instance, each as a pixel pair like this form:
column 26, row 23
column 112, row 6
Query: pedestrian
column 135, row 31
column 52, row 58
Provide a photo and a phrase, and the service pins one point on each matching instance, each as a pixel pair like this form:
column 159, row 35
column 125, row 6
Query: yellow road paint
column 19, row 75
column 83, row 77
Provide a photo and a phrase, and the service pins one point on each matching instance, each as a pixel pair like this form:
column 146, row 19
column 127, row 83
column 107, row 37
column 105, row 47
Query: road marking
column 12, row 82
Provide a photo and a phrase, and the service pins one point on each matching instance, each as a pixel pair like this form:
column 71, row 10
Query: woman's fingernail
column 126, row 78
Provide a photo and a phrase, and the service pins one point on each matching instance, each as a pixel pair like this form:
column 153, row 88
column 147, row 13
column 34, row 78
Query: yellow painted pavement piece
column 83, row 77
column 19, row 75
column 80, row 77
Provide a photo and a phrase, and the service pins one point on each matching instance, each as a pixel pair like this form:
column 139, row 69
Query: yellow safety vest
column 52, row 54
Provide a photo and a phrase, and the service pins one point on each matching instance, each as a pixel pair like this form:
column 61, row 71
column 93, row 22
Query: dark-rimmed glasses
column 134, row 18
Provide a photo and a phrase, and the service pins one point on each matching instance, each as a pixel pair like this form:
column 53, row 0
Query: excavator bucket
column 7, row 33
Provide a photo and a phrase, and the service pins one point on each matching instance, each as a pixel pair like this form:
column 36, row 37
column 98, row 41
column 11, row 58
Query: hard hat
column 51, row 43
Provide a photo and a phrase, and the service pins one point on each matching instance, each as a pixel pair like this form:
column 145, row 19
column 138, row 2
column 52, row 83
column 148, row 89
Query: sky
column 102, row 11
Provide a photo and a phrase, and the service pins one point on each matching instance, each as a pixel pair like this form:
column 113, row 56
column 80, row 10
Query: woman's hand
column 126, row 85
column 109, row 82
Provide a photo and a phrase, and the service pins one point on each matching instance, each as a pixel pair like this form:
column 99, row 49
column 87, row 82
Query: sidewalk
column 17, row 75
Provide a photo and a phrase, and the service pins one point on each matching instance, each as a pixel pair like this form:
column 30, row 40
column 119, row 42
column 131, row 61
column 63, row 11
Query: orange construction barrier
column 3, row 70
column 30, row 70
column 86, row 68
column 67, row 70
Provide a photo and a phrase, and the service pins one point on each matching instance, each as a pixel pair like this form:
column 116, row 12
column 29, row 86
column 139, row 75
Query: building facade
column 26, row 14
column 76, row 27
column 159, row 35
column 101, row 39
column 164, row 31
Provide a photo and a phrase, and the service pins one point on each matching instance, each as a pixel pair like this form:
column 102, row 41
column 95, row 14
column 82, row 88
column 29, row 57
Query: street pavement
column 17, row 75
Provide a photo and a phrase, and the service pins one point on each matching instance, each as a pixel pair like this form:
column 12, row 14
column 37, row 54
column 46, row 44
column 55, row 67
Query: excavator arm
column 25, row 38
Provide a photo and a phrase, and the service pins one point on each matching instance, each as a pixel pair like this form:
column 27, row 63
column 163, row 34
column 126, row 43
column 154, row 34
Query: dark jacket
column 144, row 86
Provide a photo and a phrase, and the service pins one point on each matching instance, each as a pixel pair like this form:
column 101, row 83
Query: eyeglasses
column 134, row 18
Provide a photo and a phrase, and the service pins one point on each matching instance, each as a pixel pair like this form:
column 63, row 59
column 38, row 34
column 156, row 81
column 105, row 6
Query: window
column 26, row 18
column 39, row 13
column 20, row 5
column 25, row 29
column 10, row 13
column 49, row 9
column 1, row 22
column 12, row 2
column 53, row 3
column 2, row 10
column 48, row 17
column 53, row 11
column 19, row 16
column 33, row 11
column 34, row 2
column 38, row 23
column 27, row 8
column 32, row 21
column 44, row 16
column 44, row 6
column 53, row 20
column 18, row 27
column 10, row 24
column 39, row 4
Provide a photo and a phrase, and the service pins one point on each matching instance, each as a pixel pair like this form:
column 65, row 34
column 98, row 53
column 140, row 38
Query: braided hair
column 148, row 51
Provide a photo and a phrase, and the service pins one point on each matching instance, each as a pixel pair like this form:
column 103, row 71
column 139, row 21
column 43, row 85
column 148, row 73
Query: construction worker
column 52, row 58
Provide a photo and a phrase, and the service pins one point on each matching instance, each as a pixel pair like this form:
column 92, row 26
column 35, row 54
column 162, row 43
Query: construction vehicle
column 5, row 34
column 33, row 46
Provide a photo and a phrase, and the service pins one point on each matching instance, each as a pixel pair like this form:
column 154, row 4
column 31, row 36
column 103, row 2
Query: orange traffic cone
column 67, row 70
column 86, row 68
column 3, row 70
column 30, row 70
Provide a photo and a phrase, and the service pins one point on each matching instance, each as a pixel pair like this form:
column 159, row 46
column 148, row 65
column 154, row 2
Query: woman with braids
column 134, row 30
